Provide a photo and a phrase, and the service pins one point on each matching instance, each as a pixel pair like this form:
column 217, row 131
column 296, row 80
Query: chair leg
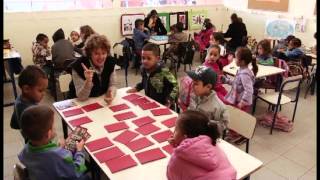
column 247, row 146
column 190, row 67
column 274, row 119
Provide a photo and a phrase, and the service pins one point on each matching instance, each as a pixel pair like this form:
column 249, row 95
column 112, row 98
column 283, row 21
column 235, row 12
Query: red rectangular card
column 116, row 127
column 143, row 121
column 124, row 116
column 147, row 129
column 150, row 155
column 72, row 112
column 80, row 121
column 161, row 111
column 126, row 136
column 91, row 107
column 99, row 144
column 119, row 107
column 139, row 144
column 168, row 148
column 162, row 136
column 140, row 101
column 170, row 122
column 151, row 105
column 131, row 97
column 121, row 163
column 108, row 154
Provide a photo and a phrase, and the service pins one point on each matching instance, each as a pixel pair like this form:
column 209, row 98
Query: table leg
column 13, row 82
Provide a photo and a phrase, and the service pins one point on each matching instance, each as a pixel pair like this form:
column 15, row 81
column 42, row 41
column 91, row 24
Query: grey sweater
column 62, row 50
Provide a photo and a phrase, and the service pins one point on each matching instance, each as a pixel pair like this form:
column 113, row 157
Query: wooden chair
column 20, row 172
column 276, row 99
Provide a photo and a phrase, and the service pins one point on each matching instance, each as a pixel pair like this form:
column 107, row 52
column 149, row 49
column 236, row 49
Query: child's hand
column 172, row 142
column 223, row 79
column 88, row 73
column 240, row 105
column 108, row 97
column 80, row 145
column 61, row 143
column 132, row 90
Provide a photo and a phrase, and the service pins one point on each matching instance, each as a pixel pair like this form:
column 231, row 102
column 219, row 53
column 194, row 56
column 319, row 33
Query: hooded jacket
column 197, row 159
column 62, row 49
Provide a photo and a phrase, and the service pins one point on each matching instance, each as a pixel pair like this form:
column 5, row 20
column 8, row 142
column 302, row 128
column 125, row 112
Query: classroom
column 159, row 89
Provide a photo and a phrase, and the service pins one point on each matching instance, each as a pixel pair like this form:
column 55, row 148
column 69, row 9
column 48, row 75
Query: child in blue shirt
column 140, row 35
column 43, row 158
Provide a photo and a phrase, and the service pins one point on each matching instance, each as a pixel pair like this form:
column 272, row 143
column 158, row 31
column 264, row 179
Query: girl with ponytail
column 196, row 154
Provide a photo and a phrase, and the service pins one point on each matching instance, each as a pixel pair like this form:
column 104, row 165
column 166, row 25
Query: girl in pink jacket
column 197, row 155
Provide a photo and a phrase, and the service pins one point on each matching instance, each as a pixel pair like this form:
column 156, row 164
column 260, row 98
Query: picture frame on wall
column 127, row 23
column 270, row 5
column 165, row 19
column 196, row 19
column 183, row 17
column 173, row 18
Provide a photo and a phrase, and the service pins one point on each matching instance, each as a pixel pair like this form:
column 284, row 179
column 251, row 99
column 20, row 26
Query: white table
column 263, row 71
column 244, row 163
column 314, row 58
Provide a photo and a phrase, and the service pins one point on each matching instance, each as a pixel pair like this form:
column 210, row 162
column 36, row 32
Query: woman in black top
column 154, row 24
column 237, row 31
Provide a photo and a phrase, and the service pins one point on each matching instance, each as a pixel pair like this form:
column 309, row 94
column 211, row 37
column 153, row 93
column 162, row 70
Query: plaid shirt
column 39, row 54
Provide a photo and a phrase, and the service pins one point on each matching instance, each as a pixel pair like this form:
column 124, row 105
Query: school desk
column 244, row 163
column 9, row 56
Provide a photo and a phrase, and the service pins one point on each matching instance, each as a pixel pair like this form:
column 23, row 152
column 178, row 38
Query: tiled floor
column 286, row 156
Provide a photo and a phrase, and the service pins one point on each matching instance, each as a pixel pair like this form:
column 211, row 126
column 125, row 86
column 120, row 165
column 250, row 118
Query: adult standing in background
column 85, row 32
column 154, row 24
column 237, row 31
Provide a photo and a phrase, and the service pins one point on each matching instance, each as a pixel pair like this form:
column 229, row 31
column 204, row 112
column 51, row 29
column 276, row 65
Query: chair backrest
column 64, row 81
column 241, row 122
column 20, row 172
column 291, row 82
column 67, row 65
column 186, row 52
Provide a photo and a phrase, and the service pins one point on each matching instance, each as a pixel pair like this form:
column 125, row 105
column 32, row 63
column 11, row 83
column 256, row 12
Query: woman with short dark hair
column 154, row 24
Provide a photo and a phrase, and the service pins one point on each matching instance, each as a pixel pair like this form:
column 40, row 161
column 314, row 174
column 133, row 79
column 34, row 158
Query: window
column 54, row 5
column 139, row 3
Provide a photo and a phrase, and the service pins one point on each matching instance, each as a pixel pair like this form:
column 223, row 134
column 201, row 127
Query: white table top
column 244, row 163
column 8, row 54
column 158, row 42
column 263, row 71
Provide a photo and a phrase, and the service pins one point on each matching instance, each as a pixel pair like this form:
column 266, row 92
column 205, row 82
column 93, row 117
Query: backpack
column 281, row 123
column 185, row 91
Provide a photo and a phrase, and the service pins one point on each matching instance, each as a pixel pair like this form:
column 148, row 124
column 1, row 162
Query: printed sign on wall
column 127, row 23
column 196, row 19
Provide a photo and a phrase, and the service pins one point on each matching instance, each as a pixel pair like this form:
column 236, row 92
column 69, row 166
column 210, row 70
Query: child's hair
column 87, row 31
column 36, row 121
column 219, row 37
column 288, row 38
column 296, row 42
column 97, row 41
column 195, row 123
column 265, row 45
column 179, row 26
column 244, row 54
column 173, row 27
column 30, row 76
column 40, row 37
column 138, row 22
column 152, row 47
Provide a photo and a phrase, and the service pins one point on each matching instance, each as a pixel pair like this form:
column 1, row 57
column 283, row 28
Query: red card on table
column 124, row 116
column 143, row 121
column 120, row 163
column 168, row 148
column 170, row 122
column 151, row 105
column 140, row 101
column 119, row 107
column 125, row 136
column 108, row 154
column 72, row 112
column 150, row 155
column 99, row 144
column 161, row 111
column 147, row 129
column 162, row 136
column 80, row 121
column 131, row 97
column 139, row 144
column 116, row 127
column 91, row 107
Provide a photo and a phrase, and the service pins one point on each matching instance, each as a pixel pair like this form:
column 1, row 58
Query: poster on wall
column 183, row 17
column 300, row 24
column 279, row 28
column 196, row 19
column 173, row 18
column 127, row 23
column 273, row 5
column 165, row 19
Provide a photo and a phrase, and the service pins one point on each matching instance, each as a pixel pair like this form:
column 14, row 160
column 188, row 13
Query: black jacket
column 159, row 27
column 99, row 87
column 236, row 31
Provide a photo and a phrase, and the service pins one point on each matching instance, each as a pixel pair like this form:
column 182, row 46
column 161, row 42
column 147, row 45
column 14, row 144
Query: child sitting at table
column 293, row 51
column 75, row 37
column 214, row 61
column 264, row 56
column 157, row 81
column 43, row 158
column 205, row 99
column 33, row 82
column 140, row 35
column 40, row 51
column 217, row 39
column 196, row 154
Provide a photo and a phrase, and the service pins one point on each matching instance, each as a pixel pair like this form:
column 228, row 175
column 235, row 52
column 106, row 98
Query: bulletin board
column 165, row 19
column 196, row 19
column 127, row 23
column 273, row 5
